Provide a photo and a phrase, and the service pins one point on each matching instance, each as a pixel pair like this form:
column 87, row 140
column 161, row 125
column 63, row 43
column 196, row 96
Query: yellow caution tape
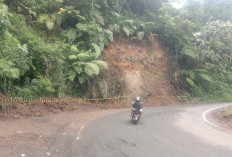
column 72, row 100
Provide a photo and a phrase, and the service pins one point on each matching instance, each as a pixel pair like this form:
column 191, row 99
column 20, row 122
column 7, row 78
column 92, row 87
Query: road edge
column 204, row 115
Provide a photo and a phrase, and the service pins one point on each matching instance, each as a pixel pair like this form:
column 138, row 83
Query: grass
column 228, row 111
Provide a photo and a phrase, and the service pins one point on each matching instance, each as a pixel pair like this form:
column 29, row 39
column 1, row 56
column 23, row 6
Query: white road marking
column 196, row 121
column 206, row 112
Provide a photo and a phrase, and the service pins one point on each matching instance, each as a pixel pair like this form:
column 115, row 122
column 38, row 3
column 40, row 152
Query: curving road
column 177, row 131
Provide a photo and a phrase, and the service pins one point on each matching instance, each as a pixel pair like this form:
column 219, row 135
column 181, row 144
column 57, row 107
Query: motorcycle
column 136, row 116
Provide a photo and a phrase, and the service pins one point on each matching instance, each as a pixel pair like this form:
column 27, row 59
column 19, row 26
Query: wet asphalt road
column 156, row 135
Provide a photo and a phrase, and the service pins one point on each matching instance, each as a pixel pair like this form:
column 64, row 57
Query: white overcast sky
column 178, row 3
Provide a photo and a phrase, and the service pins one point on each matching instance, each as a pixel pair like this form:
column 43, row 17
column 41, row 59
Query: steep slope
column 144, row 70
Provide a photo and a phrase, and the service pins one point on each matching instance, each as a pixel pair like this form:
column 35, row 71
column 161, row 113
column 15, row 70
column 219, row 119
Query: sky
column 178, row 3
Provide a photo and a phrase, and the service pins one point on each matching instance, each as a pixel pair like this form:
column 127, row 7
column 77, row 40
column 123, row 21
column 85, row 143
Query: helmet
column 137, row 98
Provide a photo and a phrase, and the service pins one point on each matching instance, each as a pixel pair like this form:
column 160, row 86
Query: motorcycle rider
column 137, row 105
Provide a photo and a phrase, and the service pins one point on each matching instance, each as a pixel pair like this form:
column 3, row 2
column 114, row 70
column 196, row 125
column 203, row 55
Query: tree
column 4, row 20
column 218, row 9
column 215, row 41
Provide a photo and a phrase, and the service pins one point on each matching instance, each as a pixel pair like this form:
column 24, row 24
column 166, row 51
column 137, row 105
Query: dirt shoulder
column 17, row 110
column 44, row 136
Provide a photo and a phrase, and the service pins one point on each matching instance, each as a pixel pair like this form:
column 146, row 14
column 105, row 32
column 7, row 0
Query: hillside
column 55, row 49
column 140, row 67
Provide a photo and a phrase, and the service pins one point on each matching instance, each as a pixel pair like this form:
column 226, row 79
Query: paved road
column 163, row 132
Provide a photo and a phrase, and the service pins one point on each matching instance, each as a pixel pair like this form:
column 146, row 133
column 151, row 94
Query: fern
column 190, row 82
column 134, row 28
column 73, row 49
column 83, row 27
column 78, row 69
column 81, row 18
column 148, row 27
column 81, row 79
column 205, row 77
column 83, row 57
column 110, row 35
column 130, row 22
column 48, row 20
column 43, row 18
column 97, row 6
column 106, row 42
column 72, row 57
column 101, row 64
column 97, row 49
column 116, row 28
column 101, row 46
column 91, row 69
column 81, row 63
column 126, row 30
column 201, row 70
column 101, row 20
column 99, row 29
column 72, row 75
column 189, row 73
column 140, row 35
column 50, row 24
column 116, row 15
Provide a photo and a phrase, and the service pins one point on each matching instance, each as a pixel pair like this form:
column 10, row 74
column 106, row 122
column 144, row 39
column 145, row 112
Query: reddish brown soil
column 46, row 135
column 144, row 68
column 15, row 110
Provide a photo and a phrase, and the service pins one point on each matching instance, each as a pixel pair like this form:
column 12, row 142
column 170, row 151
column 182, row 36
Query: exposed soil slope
column 144, row 69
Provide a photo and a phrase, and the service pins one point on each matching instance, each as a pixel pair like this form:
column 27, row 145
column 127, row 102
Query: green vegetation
column 199, row 41
column 228, row 111
column 53, row 47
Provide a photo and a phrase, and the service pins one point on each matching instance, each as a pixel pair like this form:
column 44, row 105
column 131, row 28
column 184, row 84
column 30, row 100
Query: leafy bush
column 41, row 87
column 8, row 70
column 84, row 66
column 4, row 19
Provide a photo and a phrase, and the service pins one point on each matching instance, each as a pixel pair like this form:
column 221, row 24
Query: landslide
column 135, row 68
column 143, row 67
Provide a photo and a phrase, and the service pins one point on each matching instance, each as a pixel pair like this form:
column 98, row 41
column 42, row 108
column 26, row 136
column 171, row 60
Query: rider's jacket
column 137, row 105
